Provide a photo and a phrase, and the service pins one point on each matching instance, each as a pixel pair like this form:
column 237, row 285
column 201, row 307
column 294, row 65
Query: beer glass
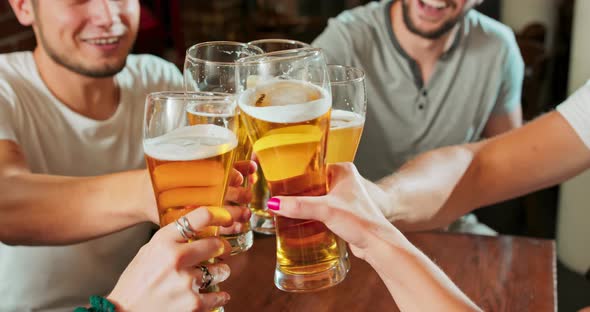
column 349, row 107
column 261, row 220
column 287, row 115
column 211, row 66
column 189, row 165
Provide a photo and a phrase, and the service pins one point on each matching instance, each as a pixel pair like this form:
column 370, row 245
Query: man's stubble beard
column 432, row 35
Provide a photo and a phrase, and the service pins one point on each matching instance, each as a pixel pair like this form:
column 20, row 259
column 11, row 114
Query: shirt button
column 421, row 106
column 424, row 93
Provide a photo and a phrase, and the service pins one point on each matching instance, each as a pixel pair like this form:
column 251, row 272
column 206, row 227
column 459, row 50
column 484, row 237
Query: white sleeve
column 576, row 110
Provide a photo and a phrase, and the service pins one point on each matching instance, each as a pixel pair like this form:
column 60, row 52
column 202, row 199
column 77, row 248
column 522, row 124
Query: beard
column 434, row 34
column 60, row 58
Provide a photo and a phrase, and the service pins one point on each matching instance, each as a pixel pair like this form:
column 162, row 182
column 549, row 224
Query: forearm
column 414, row 281
column 441, row 185
column 52, row 210
column 418, row 193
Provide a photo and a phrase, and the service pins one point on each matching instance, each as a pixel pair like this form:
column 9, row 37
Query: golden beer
column 240, row 241
column 288, row 121
column 189, row 168
column 346, row 129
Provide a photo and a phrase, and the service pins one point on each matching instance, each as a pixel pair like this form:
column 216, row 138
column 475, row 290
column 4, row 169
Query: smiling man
column 438, row 73
column 71, row 160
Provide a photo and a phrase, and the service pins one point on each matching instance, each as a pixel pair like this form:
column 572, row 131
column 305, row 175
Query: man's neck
column 424, row 51
column 95, row 98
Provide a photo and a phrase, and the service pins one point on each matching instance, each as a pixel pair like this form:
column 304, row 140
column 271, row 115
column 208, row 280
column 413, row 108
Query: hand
column 163, row 275
column 236, row 192
column 349, row 210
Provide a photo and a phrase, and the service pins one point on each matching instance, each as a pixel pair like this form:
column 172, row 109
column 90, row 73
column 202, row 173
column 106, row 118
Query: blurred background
column 552, row 39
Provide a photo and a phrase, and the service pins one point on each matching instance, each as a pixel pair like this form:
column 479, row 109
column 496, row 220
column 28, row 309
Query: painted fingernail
column 273, row 204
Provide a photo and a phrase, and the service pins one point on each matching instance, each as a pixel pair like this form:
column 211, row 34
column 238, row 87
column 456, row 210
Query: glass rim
column 190, row 95
column 263, row 58
column 358, row 74
column 279, row 40
column 220, row 42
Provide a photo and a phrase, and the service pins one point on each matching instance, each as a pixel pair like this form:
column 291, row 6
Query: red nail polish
column 273, row 204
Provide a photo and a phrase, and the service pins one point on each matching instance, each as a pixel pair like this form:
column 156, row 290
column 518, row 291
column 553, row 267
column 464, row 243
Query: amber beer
column 346, row 129
column 288, row 121
column 189, row 168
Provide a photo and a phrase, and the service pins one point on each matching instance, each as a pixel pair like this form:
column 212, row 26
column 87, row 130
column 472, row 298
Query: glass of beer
column 261, row 220
column 287, row 115
column 349, row 108
column 211, row 66
column 189, row 165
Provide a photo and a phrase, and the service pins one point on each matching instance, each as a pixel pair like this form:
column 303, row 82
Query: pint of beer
column 211, row 67
column 189, row 162
column 349, row 107
column 261, row 220
column 287, row 115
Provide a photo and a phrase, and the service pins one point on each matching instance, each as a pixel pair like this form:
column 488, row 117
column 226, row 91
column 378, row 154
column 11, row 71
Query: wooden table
column 499, row 273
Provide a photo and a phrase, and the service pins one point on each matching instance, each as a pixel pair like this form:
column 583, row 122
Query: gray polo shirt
column 479, row 75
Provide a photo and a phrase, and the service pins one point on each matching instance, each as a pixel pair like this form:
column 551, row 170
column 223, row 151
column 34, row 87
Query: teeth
column 103, row 41
column 437, row 4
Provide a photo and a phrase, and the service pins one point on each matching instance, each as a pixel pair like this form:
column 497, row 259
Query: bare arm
column 439, row 186
column 45, row 209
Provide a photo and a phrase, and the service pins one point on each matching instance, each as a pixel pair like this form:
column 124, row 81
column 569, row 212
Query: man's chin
column 104, row 71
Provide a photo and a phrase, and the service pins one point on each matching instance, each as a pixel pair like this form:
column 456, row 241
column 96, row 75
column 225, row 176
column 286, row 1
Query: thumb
column 299, row 207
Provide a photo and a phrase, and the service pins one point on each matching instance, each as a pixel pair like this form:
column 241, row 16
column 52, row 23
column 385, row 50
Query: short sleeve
column 509, row 97
column 7, row 129
column 335, row 42
column 576, row 110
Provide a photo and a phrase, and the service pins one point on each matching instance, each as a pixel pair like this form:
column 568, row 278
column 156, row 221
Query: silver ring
column 206, row 279
column 185, row 229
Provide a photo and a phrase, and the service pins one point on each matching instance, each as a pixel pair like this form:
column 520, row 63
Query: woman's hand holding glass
column 166, row 274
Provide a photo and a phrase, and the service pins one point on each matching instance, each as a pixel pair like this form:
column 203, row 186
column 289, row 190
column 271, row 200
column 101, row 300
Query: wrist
column 119, row 307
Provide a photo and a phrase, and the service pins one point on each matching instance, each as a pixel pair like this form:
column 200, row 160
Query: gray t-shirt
column 479, row 75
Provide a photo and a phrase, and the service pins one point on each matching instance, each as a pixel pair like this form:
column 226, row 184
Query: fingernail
column 273, row 204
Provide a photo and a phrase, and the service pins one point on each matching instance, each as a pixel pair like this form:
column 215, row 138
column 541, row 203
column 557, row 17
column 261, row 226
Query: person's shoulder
column 489, row 29
column 148, row 70
column 16, row 69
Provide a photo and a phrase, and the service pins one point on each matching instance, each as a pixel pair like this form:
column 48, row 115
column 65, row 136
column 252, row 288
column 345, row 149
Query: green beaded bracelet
column 98, row 304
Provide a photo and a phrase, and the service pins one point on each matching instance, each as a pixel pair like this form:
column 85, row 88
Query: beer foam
column 285, row 101
column 191, row 143
column 345, row 119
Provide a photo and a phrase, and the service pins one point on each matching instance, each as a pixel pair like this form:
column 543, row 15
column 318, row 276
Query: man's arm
column 53, row 210
column 439, row 186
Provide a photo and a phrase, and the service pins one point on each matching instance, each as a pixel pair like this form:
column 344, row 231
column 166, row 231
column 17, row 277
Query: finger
column 211, row 301
column 219, row 272
column 236, row 228
column 238, row 195
column 238, row 214
column 201, row 250
column 235, row 178
column 246, row 167
column 198, row 219
column 300, row 207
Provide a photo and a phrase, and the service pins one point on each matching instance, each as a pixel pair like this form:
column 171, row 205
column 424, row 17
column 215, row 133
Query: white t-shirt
column 59, row 141
column 576, row 110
